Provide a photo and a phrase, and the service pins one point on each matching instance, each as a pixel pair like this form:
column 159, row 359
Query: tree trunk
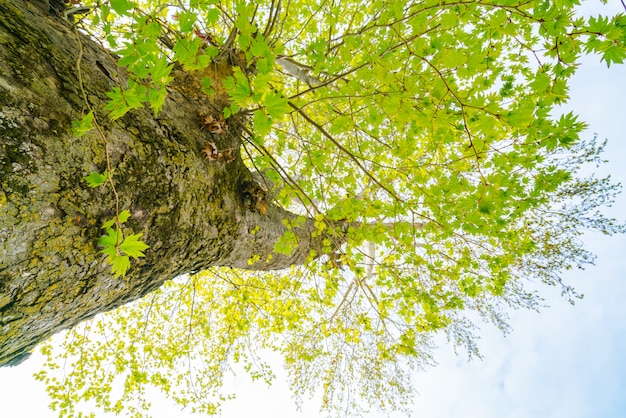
column 192, row 211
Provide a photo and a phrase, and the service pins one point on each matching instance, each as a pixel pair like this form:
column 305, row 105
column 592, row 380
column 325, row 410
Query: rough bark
column 191, row 211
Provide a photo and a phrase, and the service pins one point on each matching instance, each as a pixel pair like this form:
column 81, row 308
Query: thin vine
column 117, row 248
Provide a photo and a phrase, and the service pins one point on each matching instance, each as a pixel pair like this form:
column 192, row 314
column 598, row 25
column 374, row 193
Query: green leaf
column 119, row 249
column 260, row 48
column 287, row 243
column 116, row 105
column 207, row 86
column 212, row 16
column 108, row 223
column 520, row 118
column 244, row 10
column 111, row 240
column 160, row 72
column 151, row 30
column 135, row 95
column 133, row 247
column 157, row 97
column 123, row 216
column 187, row 53
column 238, row 87
column 614, row 54
column 95, row 179
column 276, row 105
column 262, row 123
column 186, row 21
column 82, row 126
column 110, row 251
column 119, row 265
column 262, row 83
column 122, row 7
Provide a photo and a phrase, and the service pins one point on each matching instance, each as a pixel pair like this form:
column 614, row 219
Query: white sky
column 568, row 361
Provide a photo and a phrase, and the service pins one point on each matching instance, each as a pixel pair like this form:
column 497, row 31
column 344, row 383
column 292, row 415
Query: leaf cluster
column 119, row 248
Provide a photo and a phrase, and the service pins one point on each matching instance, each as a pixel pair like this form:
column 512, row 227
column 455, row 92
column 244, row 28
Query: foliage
column 428, row 127
column 118, row 248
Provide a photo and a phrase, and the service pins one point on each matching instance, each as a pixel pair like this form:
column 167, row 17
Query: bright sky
column 566, row 362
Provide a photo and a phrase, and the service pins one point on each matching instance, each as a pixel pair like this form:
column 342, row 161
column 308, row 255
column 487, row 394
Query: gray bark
column 191, row 211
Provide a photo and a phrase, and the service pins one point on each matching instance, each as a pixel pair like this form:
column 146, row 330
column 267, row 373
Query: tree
column 334, row 182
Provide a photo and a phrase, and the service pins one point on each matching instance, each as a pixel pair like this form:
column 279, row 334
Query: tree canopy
column 424, row 140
